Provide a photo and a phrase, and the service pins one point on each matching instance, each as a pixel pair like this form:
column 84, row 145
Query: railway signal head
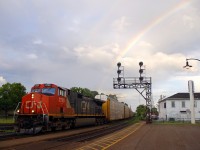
column 119, row 71
column 119, row 79
column 141, row 63
column 118, row 64
column 141, row 78
column 141, row 71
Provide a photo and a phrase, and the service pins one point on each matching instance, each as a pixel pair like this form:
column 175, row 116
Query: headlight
column 32, row 96
column 18, row 111
column 33, row 111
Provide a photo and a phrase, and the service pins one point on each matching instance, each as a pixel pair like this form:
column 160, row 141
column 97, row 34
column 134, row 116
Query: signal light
column 119, row 64
column 141, row 78
column 119, row 71
column 141, row 71
column 118, row 79
column 141, row 63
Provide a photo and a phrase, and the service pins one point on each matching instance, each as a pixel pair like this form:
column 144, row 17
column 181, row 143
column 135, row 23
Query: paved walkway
column 110, row 140
column 161, row 137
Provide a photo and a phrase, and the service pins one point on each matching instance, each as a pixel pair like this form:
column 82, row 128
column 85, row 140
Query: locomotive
column 51, row 107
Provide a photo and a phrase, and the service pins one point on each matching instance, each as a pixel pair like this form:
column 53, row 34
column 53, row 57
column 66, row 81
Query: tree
column 84, row 91
column 94, row 93
column 10, row 96
column 154, row 111
column 141, row 112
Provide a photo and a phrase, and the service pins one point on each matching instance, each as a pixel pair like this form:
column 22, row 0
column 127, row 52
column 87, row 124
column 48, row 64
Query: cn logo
column 31, row 104
column 84, row 106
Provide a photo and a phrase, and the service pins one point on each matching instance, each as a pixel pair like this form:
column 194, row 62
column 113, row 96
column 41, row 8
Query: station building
column 177, row 107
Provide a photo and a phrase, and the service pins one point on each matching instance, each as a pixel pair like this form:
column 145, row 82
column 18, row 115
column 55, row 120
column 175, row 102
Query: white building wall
column 170, row 112
column 162, row 110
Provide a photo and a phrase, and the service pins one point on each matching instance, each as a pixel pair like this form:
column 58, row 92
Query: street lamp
column 187, row 66
column 191, row 91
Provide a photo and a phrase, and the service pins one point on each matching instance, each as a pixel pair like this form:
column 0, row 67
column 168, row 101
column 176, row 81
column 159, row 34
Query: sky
column 79, row 43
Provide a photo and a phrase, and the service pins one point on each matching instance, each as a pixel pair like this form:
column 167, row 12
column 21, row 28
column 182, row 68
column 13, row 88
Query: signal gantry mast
column 141, row 84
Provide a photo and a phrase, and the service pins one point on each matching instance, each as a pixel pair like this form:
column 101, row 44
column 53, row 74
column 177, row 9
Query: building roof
column 181, row 96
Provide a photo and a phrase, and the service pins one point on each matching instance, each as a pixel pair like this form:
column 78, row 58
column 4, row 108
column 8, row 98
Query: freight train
column 51, row 107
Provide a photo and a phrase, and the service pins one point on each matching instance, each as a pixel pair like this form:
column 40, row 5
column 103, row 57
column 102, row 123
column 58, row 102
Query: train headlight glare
column 32, row 96
column 33, row 111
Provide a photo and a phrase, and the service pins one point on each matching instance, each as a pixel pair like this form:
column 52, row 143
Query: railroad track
column 6, row 127
column 87, row 136
column 6, row 130
column 50, row 140
column 7, row 135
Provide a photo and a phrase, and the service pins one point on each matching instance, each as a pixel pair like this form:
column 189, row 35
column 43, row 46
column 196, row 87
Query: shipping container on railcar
column 113, row 109
column 126, row 111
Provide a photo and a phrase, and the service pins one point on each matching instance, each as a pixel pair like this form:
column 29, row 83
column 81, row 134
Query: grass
column 133, row 120
column 7, row 131
column 6, row 120
column 175, row 123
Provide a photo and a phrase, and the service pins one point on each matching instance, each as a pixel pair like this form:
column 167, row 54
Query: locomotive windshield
column 46, row 91
column 49, row 91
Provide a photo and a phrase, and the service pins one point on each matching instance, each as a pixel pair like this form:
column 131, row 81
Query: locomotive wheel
column 53, row 128
column 63, row 127
column 72, row 125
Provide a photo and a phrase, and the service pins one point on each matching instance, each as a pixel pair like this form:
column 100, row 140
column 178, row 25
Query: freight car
column 115, row 110
column 51, row 107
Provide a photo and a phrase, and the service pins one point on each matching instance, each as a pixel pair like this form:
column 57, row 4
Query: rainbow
column 145, row 30
column 152, row 24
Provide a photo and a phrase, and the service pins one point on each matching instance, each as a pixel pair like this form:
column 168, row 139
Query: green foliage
column 141, row 112
column 10, row 95
column 84, row 91
column 94, row 93
column 154, row 111
column 6, row 120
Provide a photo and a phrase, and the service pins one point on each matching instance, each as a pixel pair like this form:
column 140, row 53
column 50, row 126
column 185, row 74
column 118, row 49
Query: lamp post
column 187, row 66
column 191, row 91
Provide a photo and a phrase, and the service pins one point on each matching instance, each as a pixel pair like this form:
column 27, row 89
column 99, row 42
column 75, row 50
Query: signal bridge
column 141, row 84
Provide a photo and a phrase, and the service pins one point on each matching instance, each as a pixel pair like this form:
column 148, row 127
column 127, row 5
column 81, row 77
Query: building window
column 183, row 104
column 164, row 105
column 62, row 92
column 173, row 104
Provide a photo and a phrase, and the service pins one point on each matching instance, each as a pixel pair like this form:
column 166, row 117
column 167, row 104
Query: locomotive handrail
column 46, row 110
column 16, row 110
